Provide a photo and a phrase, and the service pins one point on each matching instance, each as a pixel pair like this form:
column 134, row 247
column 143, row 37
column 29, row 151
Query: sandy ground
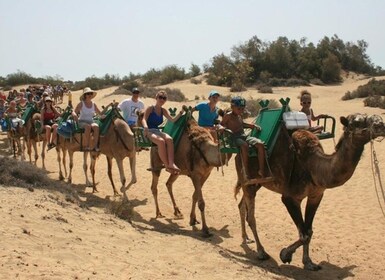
column 45, row 235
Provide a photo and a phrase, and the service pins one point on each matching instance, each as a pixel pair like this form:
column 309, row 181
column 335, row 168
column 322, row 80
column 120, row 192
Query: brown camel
column 33, row 136
column 304, row 170
column 118, row 142
column 196, row 155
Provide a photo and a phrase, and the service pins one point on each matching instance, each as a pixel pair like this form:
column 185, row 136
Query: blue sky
column 76, row 39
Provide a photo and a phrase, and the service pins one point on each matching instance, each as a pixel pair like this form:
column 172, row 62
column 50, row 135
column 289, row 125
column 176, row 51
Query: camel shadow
column 249, row 258
column 169, row 226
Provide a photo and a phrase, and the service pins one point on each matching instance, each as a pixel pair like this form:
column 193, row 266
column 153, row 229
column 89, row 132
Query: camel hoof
column 286, row 255
column 206, row 233
column 178, row 214
column 247, row 241
column 159, row 216
column 95, row 190
column 312, row 266
column 262, row 255
column 194, row 222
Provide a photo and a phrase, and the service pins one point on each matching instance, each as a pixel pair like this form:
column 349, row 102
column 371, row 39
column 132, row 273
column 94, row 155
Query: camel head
column 362, row 127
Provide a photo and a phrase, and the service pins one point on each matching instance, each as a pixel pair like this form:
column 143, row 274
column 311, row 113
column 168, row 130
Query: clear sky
column 76, row 39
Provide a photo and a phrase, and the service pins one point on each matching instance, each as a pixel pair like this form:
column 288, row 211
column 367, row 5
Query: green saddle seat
column 270, row 122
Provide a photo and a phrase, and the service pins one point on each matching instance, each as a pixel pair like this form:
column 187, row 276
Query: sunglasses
column 162, row 97
column 89, row 93
column 308, row 102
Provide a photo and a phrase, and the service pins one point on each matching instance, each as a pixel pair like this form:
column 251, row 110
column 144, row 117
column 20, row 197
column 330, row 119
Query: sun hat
column 213, row 93
column 87, row 90
column 135, row 89
column 47, row 99
column 238, row 101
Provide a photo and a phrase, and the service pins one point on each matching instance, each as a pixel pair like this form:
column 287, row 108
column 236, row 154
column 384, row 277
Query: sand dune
column 46, row 236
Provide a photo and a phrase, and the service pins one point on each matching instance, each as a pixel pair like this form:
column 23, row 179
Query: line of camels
column 298, row 163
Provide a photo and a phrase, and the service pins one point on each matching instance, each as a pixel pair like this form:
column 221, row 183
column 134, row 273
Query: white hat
column 87, row 90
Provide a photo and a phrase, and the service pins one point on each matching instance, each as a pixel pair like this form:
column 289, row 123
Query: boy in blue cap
column 233, row 121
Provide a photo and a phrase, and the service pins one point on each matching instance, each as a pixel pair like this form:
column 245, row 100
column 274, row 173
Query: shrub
column 253, row 106
column 195, row 81
column 375, row 101
column 196, row 97
column 265, row 89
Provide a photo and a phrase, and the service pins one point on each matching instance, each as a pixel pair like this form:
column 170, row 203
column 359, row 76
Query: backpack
column 66, row 129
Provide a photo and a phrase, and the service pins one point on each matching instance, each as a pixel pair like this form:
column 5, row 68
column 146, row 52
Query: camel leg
column 61, row 177
column 92, row 168
column 242, row 213
column 305, row 230
column 119, row 162
column 154, row 190
column 177, row 213
column 249, row 194
column 198, row 198
column 71, row 156
column 35, row 151
column 133, row 169
column 123, row 189
column 109, row 164
column 29, row 150
column 85, row 167
column 43, row 154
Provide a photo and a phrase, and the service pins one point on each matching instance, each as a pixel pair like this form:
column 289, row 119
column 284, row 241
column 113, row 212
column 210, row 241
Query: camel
column 196, row 155
column 33, row 137
column 117, row 143
column 303, row 170
column 16, row 141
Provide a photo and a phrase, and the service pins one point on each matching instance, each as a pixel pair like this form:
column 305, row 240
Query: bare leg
column 95, row 131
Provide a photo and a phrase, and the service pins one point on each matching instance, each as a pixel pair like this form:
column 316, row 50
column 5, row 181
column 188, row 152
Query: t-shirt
column 206, row 116
column 129, row 108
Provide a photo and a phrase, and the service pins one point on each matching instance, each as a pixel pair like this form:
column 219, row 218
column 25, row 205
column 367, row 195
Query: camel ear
column 344, row 121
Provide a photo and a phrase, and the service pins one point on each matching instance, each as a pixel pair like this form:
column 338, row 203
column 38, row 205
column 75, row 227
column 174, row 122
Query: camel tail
column 236, row 190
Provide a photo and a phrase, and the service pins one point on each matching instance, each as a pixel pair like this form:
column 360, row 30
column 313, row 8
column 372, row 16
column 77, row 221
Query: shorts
column 48, row 122
column 83, row 123
column 239, row 140
column 156, row 131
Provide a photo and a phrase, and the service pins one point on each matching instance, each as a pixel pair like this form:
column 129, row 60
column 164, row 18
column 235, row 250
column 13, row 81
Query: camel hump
column 124, row 132
column 305, row 141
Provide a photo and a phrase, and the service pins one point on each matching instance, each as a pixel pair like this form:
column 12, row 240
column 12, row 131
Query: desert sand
column 46, row 235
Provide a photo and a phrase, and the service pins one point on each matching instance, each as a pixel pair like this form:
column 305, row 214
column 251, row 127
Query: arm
column 76, row 112
column 145, row 117
column 167, row 115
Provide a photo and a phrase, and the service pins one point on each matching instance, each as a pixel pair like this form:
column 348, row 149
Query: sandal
column 50, row 146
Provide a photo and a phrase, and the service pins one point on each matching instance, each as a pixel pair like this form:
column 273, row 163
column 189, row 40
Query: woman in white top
column 86, row 110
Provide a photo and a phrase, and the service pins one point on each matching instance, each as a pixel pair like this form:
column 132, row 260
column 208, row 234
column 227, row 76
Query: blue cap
column 238, row 101
column 213, row 93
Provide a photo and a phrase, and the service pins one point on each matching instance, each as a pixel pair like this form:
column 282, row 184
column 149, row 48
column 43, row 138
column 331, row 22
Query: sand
column 45, row 235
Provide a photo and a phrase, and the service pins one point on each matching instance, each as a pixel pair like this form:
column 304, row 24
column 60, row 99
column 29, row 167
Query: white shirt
column 129, row 108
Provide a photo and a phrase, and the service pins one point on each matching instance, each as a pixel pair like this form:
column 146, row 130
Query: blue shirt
column 154, row 120
column 206, row 116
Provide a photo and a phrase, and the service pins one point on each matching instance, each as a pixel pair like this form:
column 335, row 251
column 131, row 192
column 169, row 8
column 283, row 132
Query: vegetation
column 289, row 63
column 373, row 92
column 282, row 62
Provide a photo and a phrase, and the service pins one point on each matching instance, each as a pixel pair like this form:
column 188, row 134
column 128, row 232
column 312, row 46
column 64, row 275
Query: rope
column 376, row 172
